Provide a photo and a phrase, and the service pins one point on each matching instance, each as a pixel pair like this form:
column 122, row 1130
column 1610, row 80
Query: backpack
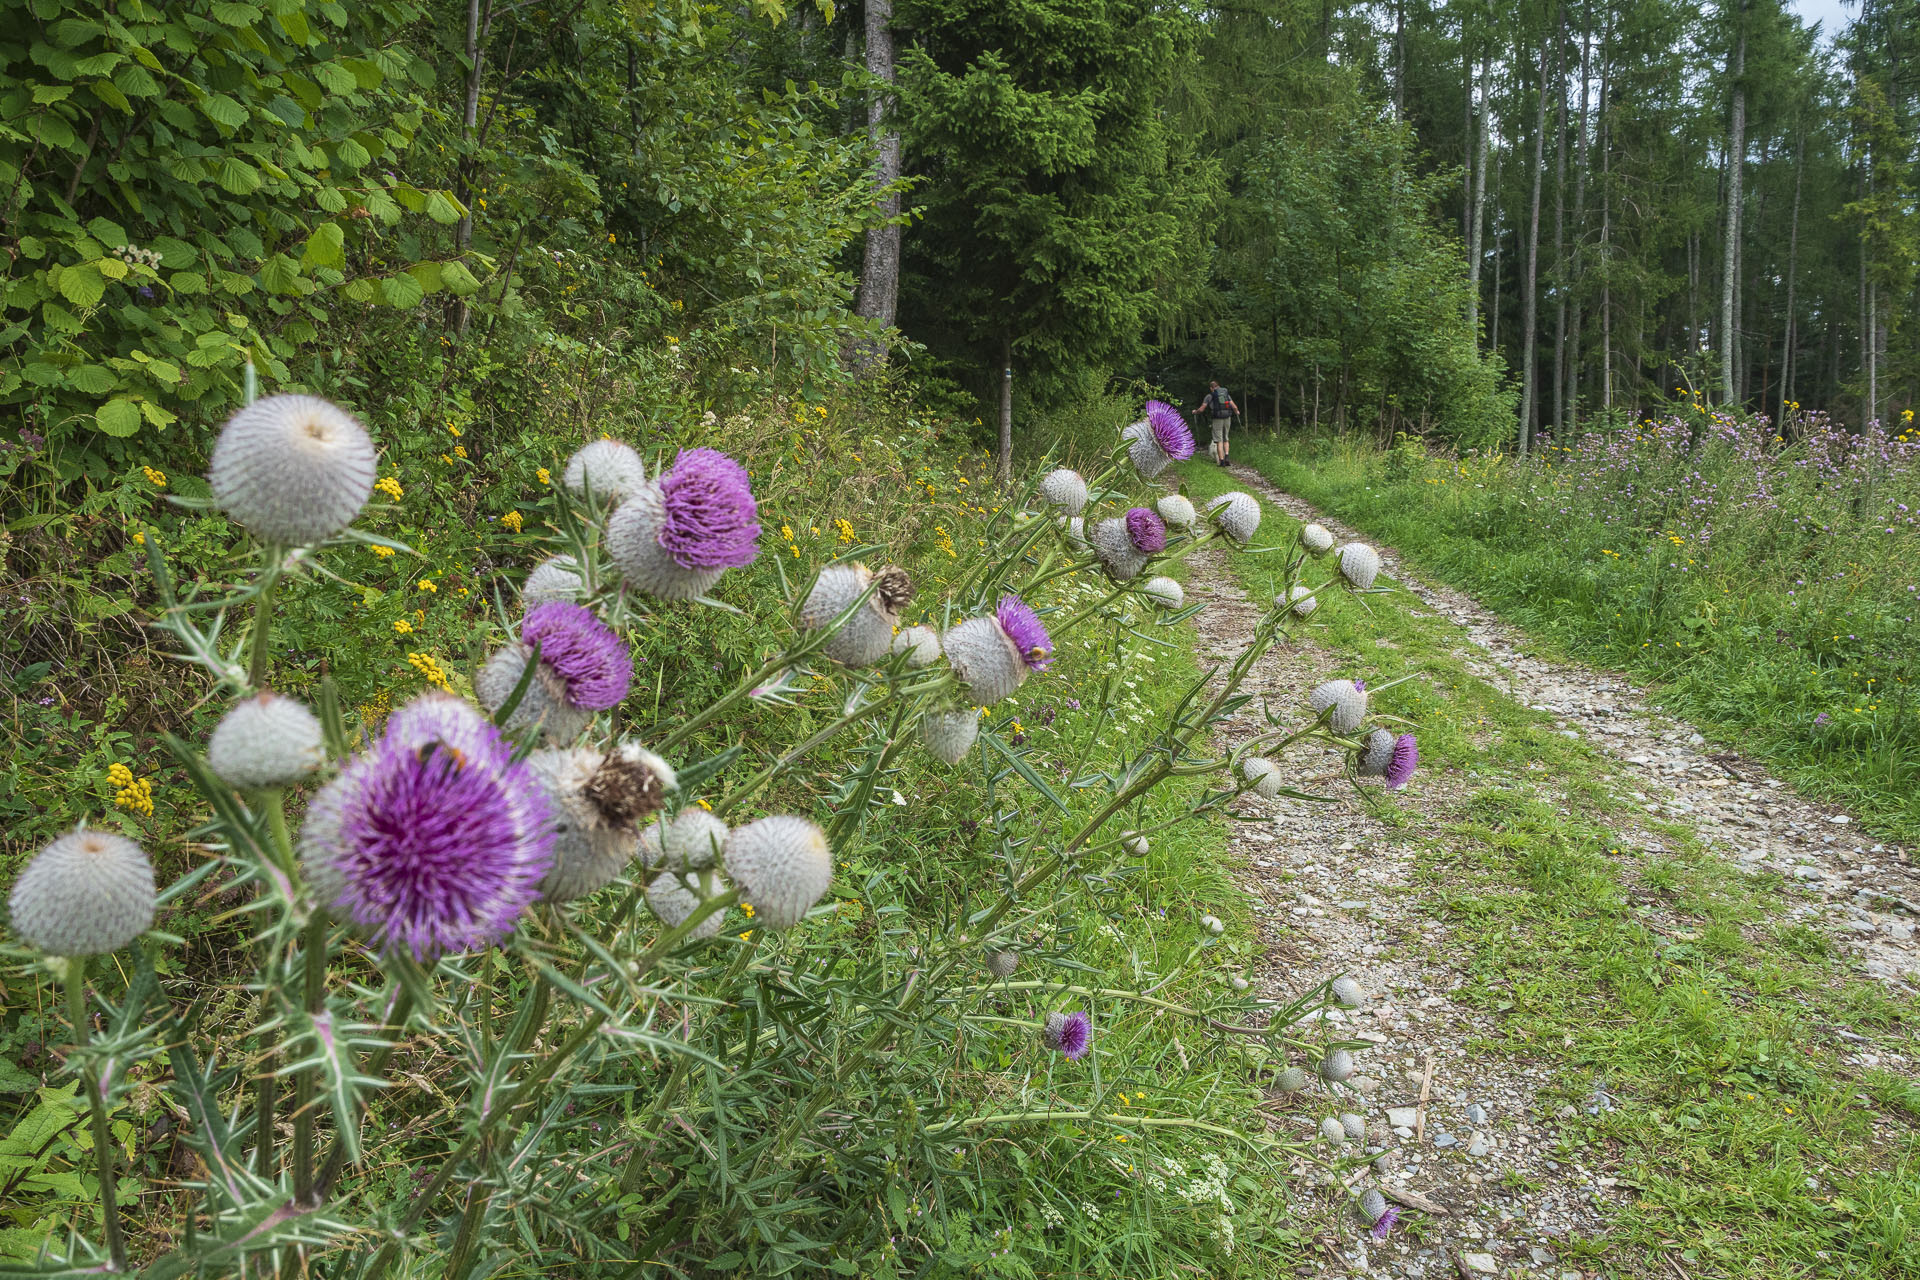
column 1217, row 402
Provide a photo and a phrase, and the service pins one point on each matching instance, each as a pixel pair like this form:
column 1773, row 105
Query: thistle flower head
column 1343, row 703
column 1068, row 1033
column 1028, row 633
column 1353, row 1125
column 991, row 661
column 672, row 902
column 1262, row 776
column 867, row 635
column 1349, row 992
column 1291, row 1080
column 1176, row 511
column 693, row 840
column 608, row 469
column 1337, row 1066
column 1316, row 539
column 434, row 840
column 1135, row 844
column 949, row 735
column 782, row 865
column 1237, row 514
column 675, row 536
column 1148, row 458
column 920, row 644
column 1001, row 964
column 1113, row 544
column 1333, row 1131
column 1164, row 592
column 1303, row 600
column 1146, row 531
column 1075, row 529
column 1213, row 925
column 1373, row 1206
column 598, row 801
column 292, row 470
column 591, row 661
column 1377, row 754
column 1406, row 757
column 543, row 703
column 266, row 741
column 1359, row 564
column 555, row 578
column 1170, row 430
column 85, row 894
column 1389, row 1215
column 1064, row 488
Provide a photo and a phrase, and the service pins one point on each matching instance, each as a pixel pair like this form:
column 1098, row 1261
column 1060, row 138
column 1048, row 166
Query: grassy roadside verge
column 1754, row 1139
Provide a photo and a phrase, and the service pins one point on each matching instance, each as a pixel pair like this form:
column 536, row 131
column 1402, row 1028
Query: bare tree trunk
column 1529, row 286
column 1606, row 225
column 479, row 22
column 1793, row 259
column 1730, row 246
column 1493, row 335
column 1479, row 202
column 1579, row 221
column 1467, row 165
column 1006, row 412
column 880, row 271
column 1399, row 60
column 1561, row 278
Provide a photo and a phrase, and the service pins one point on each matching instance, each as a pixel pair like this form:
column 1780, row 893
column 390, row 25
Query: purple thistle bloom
column 1170, row 430
column 1385, row 1223
column 1361, row 685
column 1147, row 531
column 582, row 650
column 710, row 512
column 1028, row 633
column 434, row 839
column 1406, row 756
column 1070, row 1033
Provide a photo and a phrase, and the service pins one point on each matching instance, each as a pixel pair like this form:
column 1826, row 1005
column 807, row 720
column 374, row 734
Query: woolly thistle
column 598, row 802
column 1316, row 539
column 1157, row 440
column 1213, row 925
column 920, row 644
column 584, row 667
column 1135, row 844
column 1176, row 511
column 1303, row 600
column 992, row 656
column 555, row 578
column 292, row 469
column 1337, row 1066
column 1001, row 964
column 1115, row 549
column 672, row 902
column 867, row 635
column 1406, row 756
column 1359, row 564
column 1291, row 1080
column 949, row 735
column 675, row 536
column 1377, row 754
column 1164, row 592
column 1373, row 1206
column 1064, row 488
column 1238, row 983
column 1262, row 776
column 1343, row 702
column 1068, row 1033
column 544, row 702
column 1333, row 1131
column 782, row 866
column 1355, row 1126
column 610, row 469
column 1237, row 514
column 691, row 840
column 1349, row 992
column 1075, row 531
column 1146, row 531
column 266, row 741
column 85, row 894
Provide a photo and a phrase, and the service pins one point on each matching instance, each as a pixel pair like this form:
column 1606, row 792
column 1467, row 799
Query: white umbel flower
column 1237, row 514
column 544, row 703
column 1176, row 511
column 985, row 659
column 1116, row 550
column 87, row 893
column 1262, row 776
column 920, row 644
column 1001, row 964
column 633, row 541
column 1359, row 564
column 1349, row 992
column 292, row 470
column 866, row 636
column 1164, row 592
column 266, row 741
column 555, row 578
column 1377, row 755
column 672, row 902
column 1316, row 539
column 613, row 470
column 692, row 841
column 1064, row 488
column 1348, row 703
column 782, row 865
column 1304, row 600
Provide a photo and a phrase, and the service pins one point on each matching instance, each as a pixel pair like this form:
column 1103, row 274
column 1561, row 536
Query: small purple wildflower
column 1406, row 757
column 1028, row 633
column 588, row 656
column 1822, row 718
column 1146, row 530
column 1170, row 430
column 1069, row 1033
column 1361, row 685
column 711, row 515
column 1385, row 1223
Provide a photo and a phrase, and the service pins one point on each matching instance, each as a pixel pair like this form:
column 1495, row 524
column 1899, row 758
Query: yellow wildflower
column 459, row 451
column 545, row 476
column 402, row 627
column 382, row 552
column 511, row 520
column 844, row 529
column 139, row 539
column 135, row 795
column 428, row 667
column 390, row 486
column 455, row 430
column 426, row 584
column 748, row 908
column 159, row 478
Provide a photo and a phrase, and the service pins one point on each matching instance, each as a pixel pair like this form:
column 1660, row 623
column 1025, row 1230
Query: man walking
column 1219, row 406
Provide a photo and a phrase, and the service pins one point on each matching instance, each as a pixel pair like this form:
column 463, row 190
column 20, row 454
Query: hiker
column 1218, row 404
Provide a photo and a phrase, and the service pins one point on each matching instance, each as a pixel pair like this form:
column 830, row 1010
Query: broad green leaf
column 401, row 290
column 442, row 207
column 455, row 277
column 221, row 109
column 118, row 417
column 93, row 379
column 237, row 176
column 82, row 285
column 326, row 247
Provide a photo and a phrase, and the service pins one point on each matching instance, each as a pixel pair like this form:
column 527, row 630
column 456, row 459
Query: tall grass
column 1765, row 577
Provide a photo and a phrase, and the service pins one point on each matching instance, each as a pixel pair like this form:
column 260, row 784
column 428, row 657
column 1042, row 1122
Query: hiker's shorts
column 1220, row 426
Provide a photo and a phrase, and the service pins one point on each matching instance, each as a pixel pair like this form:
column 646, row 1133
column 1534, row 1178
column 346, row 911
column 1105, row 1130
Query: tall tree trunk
column 1793, row 259
column 479, row 22
column 1578, row 273
column 1399, row 60
column 1467, row 165
column 1006, row 411
column 1529, row 285
column 1730, row 245
column 1561, row 277
column 1606, row 223
column 880, row 271
column 1493, row 335
column 1479, row 201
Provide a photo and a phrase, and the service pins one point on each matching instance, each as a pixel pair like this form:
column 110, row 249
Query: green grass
column 1753, row 1145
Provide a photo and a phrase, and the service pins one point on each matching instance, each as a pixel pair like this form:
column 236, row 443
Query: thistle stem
column 315, row 994
column 104, row 1161
column 259, row 645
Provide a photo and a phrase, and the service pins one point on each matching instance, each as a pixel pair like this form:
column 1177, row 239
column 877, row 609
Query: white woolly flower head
column 1262, row 776
column 1148, row 458
column 1316, row 539
column 1359, row 564
column 555, row 578
column 1176, row 511
column 1064, row 488
column 1303, row 599
column 87, row 893
column 1213, row 925
column 633, row 542
column 1291, row 1080
column 1001, row 964
column 1075, row 529
column 672, row 902
column 292, row 470
column 1377, row 754
column 949, row 735
column 1373, row 1205
column 920, row 644
column 1347, row 701
column 691, row 841
column 1164, row 592
column 597, row 801
column 1349, row 992
column 985, row 659
column 544, row 703
column 1135, row 844
column 1337, row 1066
column 266, row 741
column 867, row 636
column 1237, row 514
column 1354, row 1125
column 1116, row 550
column 1331, row 1130
column 612, row 469
column 782, row 865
